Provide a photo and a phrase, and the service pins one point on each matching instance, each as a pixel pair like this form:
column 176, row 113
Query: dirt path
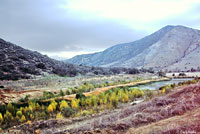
column 100, row 90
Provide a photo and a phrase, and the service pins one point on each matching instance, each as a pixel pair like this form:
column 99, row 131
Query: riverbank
column 97, row 91
column 13, row 91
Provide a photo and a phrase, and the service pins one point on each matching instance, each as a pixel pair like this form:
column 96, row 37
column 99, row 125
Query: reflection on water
column 157, row 85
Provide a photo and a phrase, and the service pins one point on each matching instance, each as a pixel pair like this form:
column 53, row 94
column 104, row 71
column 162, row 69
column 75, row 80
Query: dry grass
column 186, row 123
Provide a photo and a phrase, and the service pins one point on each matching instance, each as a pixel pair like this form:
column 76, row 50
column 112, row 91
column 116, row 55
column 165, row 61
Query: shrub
column 67, row 112
column 80, row 96
column 41, row 66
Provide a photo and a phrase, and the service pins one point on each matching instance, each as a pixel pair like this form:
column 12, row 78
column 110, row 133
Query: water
column 157, row 85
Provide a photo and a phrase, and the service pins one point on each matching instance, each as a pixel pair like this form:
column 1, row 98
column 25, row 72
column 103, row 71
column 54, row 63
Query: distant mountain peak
column 168, row 48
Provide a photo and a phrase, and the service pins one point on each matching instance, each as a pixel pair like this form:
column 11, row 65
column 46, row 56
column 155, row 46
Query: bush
column 41, row 66
column 80, row 96
column 68, row 111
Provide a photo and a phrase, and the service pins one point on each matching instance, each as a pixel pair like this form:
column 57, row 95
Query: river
column 157, row 85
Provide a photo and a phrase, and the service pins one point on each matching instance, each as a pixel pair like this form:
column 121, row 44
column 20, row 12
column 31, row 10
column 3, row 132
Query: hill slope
column 17, row 62
column 172, row 48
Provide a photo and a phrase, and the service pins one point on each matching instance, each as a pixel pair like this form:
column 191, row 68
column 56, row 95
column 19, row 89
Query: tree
column 10, row 108
column 80, row 96
column 1, row 118
column 54, row 104
column 59, row 116
column 50, row 108
column 74, row 104
column 61, row 93
column 63, row 104
column 8, row 117
column 23, row 118
column 19, row 114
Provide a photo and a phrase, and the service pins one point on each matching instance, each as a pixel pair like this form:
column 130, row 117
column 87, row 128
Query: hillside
column 19, row 63
column 171, row 48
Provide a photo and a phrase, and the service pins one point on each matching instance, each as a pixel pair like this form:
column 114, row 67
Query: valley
column 141, row 87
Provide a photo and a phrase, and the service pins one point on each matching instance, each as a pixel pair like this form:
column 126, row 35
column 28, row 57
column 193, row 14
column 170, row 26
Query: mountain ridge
column 19, row 63
column 134, row 54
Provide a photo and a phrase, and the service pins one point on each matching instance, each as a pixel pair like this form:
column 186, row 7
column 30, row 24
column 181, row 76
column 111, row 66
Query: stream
column 157, row 85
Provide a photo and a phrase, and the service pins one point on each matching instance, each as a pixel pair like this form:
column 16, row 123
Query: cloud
column 65, row 28
column 47, row 27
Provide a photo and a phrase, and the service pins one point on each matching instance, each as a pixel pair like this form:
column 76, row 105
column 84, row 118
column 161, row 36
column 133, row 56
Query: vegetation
column 13, row 114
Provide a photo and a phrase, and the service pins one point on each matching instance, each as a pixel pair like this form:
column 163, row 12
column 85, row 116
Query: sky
column 64, row 28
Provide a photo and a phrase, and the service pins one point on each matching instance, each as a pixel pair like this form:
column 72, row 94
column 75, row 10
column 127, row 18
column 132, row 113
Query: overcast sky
column 64, row 28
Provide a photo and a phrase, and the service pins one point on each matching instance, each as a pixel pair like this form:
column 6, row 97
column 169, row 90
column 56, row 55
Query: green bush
column 68, row 111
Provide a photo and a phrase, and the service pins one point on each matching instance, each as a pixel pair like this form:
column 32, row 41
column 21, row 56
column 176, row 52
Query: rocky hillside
column 171, row 48
column 18, row 63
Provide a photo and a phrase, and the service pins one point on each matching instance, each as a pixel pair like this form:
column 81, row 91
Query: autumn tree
column 63, row 104
column 74, row 104
column 10, row 108
column 50, row 109
column 1, row 118
column 8, row 117
column 23, row 118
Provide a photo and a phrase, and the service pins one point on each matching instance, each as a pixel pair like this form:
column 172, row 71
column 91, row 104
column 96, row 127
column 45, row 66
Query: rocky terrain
column 177, row 112
column 19, row 63
column 171, row 48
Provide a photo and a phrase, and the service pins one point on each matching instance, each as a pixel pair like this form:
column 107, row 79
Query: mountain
column 170, row 48
column 19, row 63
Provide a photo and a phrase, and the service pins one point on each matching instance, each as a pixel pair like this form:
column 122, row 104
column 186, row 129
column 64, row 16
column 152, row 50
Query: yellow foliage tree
column 10, row 108
column 74, row 103
column 1, row 118
column 163, row 91
column 23, row 118
column 8, row 116
column 54, row 104
column 31, row 116
column 37, row 106
column 63, row 104
column 19, row 114
column 59, row 116
column 50, row 108
column 25, row 109
column 125, row 98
